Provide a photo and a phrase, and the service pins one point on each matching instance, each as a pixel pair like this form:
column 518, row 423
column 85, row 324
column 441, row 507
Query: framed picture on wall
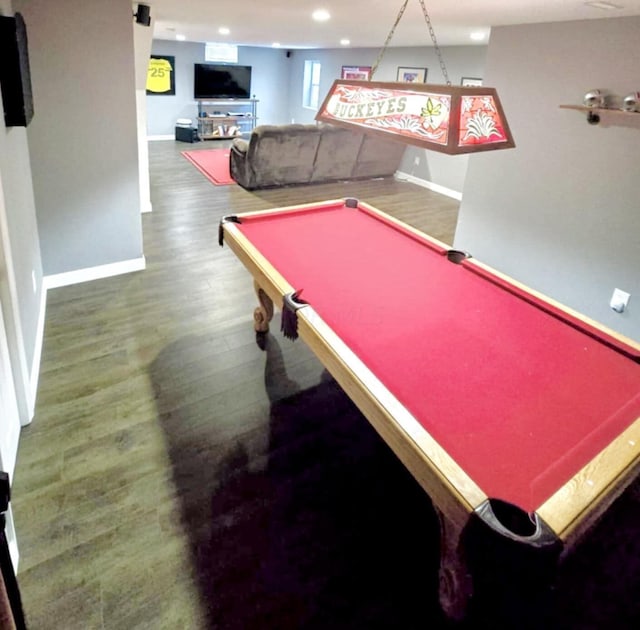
column 161, row 75
column 411, row 75
column 471, row 81
column 360, row 73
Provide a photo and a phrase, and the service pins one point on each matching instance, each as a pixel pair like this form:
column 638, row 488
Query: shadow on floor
column 299, row 517
column 317, row 526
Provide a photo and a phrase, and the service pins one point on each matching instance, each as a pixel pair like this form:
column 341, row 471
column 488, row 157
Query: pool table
column 508, row 408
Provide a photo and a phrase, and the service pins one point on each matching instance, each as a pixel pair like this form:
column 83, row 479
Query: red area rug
column 213, row 164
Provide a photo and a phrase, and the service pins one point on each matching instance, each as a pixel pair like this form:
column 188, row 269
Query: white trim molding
column 443, row 190
column 143, row 150
column 94, row 273
column 37, row 355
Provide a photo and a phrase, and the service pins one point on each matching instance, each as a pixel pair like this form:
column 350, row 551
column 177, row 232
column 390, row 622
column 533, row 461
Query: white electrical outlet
column 619, row 300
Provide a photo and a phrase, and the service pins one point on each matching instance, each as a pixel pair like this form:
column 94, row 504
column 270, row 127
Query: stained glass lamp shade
column 443, row 118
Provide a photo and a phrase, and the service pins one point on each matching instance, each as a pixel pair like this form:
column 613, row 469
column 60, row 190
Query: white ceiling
column 366, row 23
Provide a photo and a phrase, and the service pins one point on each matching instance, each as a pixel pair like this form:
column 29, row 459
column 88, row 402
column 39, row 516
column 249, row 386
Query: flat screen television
column 221, row 81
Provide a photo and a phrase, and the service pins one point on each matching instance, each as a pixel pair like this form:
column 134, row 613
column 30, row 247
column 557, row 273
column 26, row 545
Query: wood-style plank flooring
column 176, row 476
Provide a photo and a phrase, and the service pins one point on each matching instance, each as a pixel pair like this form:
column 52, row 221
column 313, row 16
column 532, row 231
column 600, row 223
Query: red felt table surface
column 518, row 397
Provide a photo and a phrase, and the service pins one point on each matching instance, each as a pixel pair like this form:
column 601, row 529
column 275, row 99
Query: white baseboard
column 37, row 355
column 154, row 138
column 93, row 273
column 454, row 194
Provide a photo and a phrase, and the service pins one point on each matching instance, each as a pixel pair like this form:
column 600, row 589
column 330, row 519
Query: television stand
column 220, row 119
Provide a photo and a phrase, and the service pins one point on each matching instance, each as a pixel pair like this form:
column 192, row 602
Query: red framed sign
column 356, row 73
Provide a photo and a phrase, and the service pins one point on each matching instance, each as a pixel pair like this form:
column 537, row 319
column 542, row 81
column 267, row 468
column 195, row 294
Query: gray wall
column 459, row 60
column 560, row 212
column 82, row 140
column 269, row 84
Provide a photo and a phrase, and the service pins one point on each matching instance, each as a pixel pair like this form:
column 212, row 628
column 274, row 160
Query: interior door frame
column 10, row 409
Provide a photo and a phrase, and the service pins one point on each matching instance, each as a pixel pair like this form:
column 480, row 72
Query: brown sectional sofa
column 283, row 155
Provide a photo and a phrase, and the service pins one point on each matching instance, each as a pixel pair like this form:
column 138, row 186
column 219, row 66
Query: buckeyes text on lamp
column 442, row 118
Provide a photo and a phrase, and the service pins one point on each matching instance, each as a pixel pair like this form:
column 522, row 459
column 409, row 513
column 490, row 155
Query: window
column 227, row 53
column 311, row 95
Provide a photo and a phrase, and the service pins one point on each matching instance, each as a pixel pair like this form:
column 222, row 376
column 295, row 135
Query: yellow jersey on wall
column 160, row 75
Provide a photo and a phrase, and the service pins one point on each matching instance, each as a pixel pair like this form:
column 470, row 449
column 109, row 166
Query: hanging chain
column 435, row 42
column 389, row 36
column 432, row 33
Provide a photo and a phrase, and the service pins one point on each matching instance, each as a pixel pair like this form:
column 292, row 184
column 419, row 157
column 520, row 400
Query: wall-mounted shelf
column 593, row 113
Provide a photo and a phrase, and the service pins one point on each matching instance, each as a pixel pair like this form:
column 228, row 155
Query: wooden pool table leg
column 263, row 314
column 456, row 585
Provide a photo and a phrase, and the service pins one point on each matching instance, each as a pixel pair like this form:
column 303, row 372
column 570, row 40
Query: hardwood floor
column 178, row 476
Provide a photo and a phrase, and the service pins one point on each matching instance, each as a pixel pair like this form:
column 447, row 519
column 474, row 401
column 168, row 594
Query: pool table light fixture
column 444, row 118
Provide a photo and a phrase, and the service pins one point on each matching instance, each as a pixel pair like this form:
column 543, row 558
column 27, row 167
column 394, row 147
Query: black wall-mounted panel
column 15, row 76
column 143, row 15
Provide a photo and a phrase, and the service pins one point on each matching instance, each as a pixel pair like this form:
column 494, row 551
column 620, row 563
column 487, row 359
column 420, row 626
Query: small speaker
column 15, row 76
column 143, row 15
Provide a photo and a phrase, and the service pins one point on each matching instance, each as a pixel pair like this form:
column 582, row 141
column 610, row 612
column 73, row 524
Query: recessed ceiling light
column 223, row 30
column 605, row 6
column 345, row 42
column 477, row 36
column 180, row 37
column 321, row 15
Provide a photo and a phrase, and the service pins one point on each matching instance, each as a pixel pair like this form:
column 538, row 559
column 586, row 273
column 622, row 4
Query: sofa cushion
column 283, row 154
column 337, row 153
column 378, row 157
